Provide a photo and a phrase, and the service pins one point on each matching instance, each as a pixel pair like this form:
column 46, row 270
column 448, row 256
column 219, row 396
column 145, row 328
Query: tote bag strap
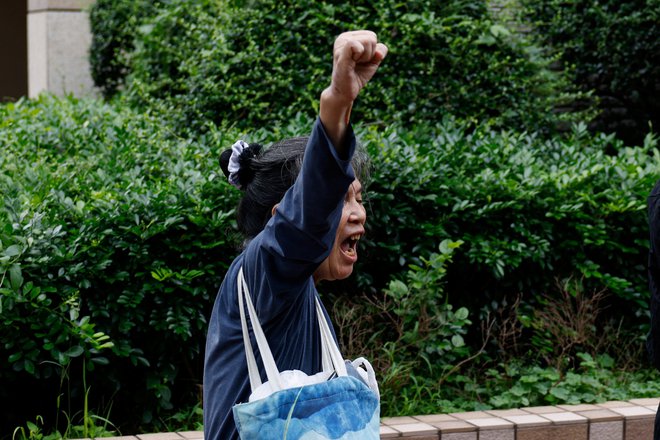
column 266, row 355
column 326, row 361
column 331, row 357
column 330, row 353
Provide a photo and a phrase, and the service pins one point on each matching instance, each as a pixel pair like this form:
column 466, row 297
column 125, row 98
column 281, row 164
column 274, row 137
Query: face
column 339, row 264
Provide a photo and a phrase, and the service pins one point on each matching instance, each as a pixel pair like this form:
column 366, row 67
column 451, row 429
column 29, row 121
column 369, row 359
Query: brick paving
column 616, row 420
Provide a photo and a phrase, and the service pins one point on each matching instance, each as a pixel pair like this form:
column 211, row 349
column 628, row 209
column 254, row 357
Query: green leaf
column 457, row 341
column 74, row 351
column 29, row 366
column 12, row 251
column 606, row 361
column 447, row 246
column 560, row 393
column 15, row 277
column 398, row 288
column 499, row 31
column 100, row 360
column 462, row 313
column 517, row 390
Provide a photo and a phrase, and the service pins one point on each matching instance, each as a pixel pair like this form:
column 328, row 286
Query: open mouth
column 349, row 246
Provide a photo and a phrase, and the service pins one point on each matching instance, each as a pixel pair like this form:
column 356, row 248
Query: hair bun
column 245, row 172
column 224, row 162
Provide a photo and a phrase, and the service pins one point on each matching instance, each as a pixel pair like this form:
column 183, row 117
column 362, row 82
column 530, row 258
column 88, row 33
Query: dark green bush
column 527, row 210
column 110, row 225
column 409, row 332
column 256, row 63
column 113, row 26
column 613, row 48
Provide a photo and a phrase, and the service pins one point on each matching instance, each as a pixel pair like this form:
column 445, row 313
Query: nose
column 358, row 214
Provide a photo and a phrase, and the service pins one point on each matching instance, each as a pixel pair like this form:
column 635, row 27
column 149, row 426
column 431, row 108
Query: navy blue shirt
column 278, row 265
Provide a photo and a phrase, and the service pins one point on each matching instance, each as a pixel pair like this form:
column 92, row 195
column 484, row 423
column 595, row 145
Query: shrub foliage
column 256, row 63
column 111, row 227
column 113, row 38
column 613, row 48
column 116, row 230
column 115, row 234
column 528, row 210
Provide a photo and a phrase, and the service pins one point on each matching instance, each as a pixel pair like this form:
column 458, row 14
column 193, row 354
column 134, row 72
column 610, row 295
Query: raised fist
column 356, row 57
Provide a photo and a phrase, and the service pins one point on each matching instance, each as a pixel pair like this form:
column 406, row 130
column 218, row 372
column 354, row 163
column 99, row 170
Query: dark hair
column 266, row 175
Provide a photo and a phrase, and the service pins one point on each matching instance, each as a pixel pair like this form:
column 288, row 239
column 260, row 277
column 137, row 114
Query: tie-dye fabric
column 340, row 409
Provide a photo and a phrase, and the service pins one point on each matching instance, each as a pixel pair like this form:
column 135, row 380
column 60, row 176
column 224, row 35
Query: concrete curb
column 617, row 420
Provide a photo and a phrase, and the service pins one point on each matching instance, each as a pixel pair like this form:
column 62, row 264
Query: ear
column 272, row 212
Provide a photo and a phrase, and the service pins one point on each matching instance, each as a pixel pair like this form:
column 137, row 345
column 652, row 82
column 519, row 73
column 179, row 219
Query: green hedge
column 108, row 224
column 528, row 210
column 528, row 213
column 113, row 26
column 111, row 226
column 613, row 48
column 256, row 63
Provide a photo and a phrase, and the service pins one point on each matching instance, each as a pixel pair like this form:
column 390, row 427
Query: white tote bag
column 340, row 402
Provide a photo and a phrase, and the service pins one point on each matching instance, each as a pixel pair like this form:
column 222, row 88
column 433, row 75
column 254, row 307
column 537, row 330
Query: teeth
column 355, row 237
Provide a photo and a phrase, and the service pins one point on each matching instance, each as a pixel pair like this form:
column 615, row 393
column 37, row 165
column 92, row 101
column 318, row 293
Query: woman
column 303, row 219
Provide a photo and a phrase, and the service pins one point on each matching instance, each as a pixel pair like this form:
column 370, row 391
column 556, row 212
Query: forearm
column 356, row 56
column 335, row 114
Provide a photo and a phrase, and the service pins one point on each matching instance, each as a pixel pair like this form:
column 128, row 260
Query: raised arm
column 356, row 57
column 301, row 234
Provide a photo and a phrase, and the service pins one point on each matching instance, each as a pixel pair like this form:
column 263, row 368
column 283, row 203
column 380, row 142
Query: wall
column 59, row 38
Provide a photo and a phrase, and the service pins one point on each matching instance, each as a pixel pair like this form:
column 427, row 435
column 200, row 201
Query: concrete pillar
column 59, row 38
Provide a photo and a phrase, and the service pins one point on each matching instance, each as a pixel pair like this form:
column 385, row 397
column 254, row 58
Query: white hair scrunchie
column 234, row 165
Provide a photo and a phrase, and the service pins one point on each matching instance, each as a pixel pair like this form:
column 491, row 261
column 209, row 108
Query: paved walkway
column 617, row 420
